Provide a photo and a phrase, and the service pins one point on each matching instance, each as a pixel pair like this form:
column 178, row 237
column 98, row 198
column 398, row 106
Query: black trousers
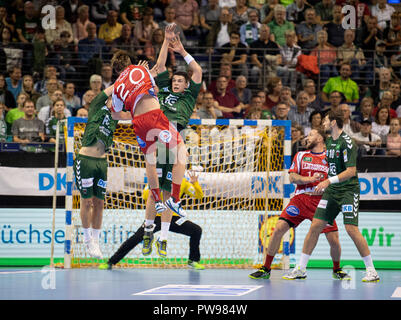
column 188, row 228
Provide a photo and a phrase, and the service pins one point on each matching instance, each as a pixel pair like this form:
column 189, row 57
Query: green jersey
column 341, row 154
column 178, row 107
column 100, row 124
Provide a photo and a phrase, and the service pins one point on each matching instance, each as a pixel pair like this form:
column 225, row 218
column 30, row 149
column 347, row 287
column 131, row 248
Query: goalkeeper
column 188, row 228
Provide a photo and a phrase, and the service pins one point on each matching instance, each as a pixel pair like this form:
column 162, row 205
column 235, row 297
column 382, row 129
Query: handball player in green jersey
column 177, row 98
column 340, row 194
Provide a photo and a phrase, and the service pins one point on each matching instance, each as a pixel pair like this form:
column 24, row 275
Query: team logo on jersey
column 141, row 143
column 165, row 136
column 337, row 153
column 345, row 154
column 102, row 184
column 293, row 211
column 169, row 176
column 308, row 159
column 324, row 161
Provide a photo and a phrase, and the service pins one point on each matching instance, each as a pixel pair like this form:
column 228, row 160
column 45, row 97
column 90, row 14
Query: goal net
column 243, row 172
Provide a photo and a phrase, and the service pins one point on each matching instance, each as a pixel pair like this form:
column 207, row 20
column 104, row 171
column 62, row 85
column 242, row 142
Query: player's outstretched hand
column 193, row 177
column 143, row 63
column 169, row 32
column 176, row 45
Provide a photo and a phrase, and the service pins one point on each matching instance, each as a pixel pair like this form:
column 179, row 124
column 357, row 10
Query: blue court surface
column 187, row 284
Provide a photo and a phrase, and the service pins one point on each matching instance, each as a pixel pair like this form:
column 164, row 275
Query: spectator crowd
column 262, row 59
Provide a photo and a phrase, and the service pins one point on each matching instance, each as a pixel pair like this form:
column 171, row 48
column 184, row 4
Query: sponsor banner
column 382, row 231
column 26, row 233
column 40, row 182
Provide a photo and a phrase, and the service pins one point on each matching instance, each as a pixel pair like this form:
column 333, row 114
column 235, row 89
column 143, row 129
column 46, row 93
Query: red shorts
column 303, row 207
column 154, row 126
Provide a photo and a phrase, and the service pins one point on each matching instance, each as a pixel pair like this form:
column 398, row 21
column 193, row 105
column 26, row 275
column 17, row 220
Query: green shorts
column 91, row 176
column 334, row 202
column 165, row 174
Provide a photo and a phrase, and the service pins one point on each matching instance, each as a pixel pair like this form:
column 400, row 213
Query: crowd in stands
column 262, row 59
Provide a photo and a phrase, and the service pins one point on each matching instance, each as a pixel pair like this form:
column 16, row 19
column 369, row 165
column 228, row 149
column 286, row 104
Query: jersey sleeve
column 296, row 164
column 163, row 80
column 97, row 103
column 194, row 88
column 350, row 153
column 194, row 190
column 116, row 103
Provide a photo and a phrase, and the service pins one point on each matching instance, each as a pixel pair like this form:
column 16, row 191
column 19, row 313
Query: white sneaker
column 176, row 207
column 93, row 249
column 371, row 275
column 160, row 207
column 296, row 273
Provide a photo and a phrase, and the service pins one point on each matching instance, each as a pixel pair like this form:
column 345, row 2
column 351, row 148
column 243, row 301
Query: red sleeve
column 295, row 166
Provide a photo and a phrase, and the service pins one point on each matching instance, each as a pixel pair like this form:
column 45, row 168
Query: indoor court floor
column 188, row 284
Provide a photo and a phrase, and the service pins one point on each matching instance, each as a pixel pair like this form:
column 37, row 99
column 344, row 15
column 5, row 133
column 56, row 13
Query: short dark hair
column 182, row 74
column 28, row 101
column 337, row 116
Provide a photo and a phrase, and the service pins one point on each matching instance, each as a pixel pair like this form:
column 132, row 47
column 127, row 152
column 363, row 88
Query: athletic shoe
column 371, row 275
column 262, row 273
column 147, row 243
column 160, row 207
column 196, row 265
column 105, row 266
column 339, row 274
column 93, row 249
column 161, row 248
column 296, row 273
column 176, row 207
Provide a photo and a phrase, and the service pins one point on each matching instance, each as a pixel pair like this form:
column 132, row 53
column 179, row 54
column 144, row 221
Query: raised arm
column 177, row 46
column 160, row 65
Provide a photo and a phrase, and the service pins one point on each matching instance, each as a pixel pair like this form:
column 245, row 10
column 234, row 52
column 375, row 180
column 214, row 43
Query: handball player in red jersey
column 135, row 90
column 307, row 170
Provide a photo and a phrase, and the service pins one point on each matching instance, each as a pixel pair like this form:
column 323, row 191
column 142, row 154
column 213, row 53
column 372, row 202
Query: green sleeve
column 350, row 153
column 97, row 103
column 163, row 80
column 194, row 88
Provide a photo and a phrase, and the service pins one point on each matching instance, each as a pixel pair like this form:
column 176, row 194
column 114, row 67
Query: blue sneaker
column 176, row 207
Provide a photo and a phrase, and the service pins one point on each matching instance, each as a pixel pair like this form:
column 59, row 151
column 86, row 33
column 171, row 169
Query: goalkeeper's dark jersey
column 341, row 154
column 178, row 107
column 100, row 124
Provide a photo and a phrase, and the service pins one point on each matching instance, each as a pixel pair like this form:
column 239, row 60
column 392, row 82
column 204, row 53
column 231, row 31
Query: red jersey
column 131, row 85
column 306, row 164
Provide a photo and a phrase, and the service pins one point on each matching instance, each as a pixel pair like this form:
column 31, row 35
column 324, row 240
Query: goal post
column 243, row 170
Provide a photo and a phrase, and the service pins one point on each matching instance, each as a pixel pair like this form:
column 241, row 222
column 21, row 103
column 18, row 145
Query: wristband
column 334, row 180
column 188, row 59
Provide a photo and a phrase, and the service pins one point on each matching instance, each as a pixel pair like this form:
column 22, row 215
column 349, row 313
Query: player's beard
column 311, row 145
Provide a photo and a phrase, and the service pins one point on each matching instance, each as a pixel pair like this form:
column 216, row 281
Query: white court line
column 397, row 293
column 27, row 271
column 200, row 290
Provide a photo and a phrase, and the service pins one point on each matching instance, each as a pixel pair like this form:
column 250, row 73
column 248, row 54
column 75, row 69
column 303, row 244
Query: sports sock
column 156, row 194
column 149, row 224
column 175, row 192
column 336, row 265
column 87, row 234
column 96, row 234
column 368, row 261
column 303, row 261
column 268, row 261
column 164, row 230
